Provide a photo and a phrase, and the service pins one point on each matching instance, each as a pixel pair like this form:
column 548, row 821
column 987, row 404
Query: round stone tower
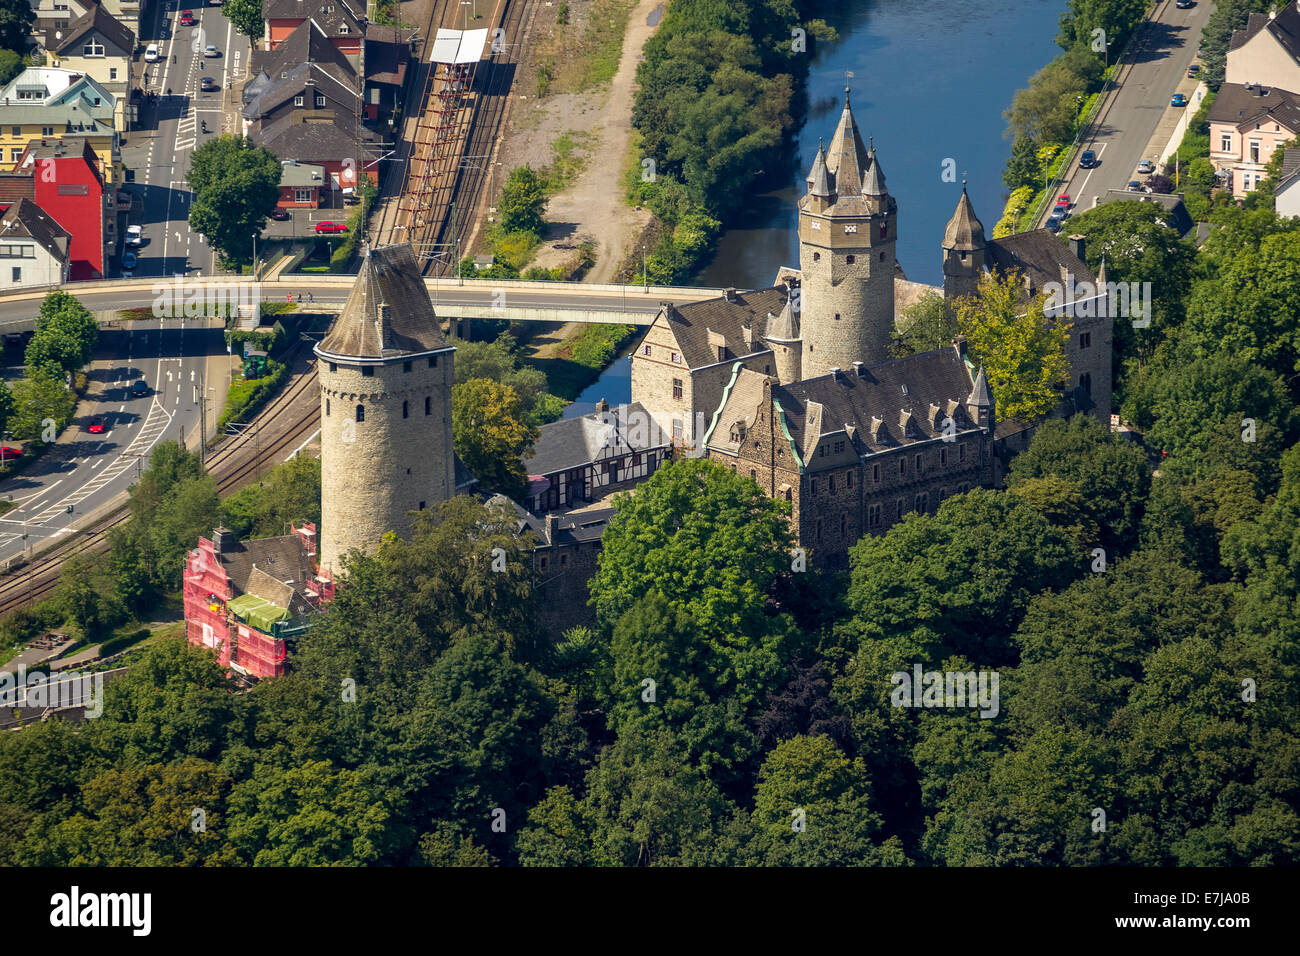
column 385, row 376
column 964, row 250
column 848, row 227
column 785, row 341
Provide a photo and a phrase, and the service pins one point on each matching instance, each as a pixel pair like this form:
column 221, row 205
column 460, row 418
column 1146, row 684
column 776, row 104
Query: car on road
column 187, row 18
column 1194, row 69
column 1184, row 4
column 129, row 260
column 1063, row 199
column 9, row 453
column 1053, row 224
column 1087, row 159
column 1134, row 186
column 13, row 338
column 331, row 227
column 151, row 53
column 140, row 387
column 134, row 235
column 1146, row 167
column 207, row 84
column 211, row 50
column 281, row 215
column 96, row 426
column 1178, row 100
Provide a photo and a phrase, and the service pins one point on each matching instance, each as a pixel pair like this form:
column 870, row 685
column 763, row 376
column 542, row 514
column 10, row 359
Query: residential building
column 580, row 460
column 49, row 103
column 387, row 56
column 33, row 248
column 857, row 450
column 69, row 187
column 1248, row 122
column 336, row 18
column 1267, row 52
column 96, row 44
column 1177, row 218
column 301, row 185
column 249, row 600
column 1287, row 197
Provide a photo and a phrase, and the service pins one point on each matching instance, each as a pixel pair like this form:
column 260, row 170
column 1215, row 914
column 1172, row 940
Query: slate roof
column 388, row 314
column 338, row 95
column 1243, row 108
column 25, row 219
column 312, row 140
column 692, row 323
column 1285, row 28
column 584, row 439
column 388, row 51
column 847, row 158
column 65, row 118
column 306, row 44
column 280, row 593
column 1290, row 168
column 330, row 14
column 283, row 558
column 15, row 186
column 965, row 232
column 890, row 392
column 96, row 18
column 1039, row 255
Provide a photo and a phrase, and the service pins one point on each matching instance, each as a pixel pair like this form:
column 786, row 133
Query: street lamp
column 254, row 256
column 645, row 282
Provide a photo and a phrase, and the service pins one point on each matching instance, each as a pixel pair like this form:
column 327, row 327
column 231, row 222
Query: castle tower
column 848, row 225
column 964, row 250
column 979, row 403
column 783, row 336
column 385, row 376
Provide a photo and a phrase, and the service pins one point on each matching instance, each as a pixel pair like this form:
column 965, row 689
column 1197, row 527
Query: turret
column 964, row 250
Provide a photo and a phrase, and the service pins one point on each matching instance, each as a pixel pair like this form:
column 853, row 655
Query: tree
column 41, row 398
column 445, row 846
column 237, row 185
column 313, row 815
column 925, row 325
column 1110, row 474
column 86, row 599
column 498, row 361
column 558, row 832
column 289, row 493
column 1022, row 351
column 1228, row 17
column 1047, row 110
column 523, row 200
column 491, row 434
column 11, row 64
column 7, row 407
column 66, row 335
column 16, row 20
column 246, row 15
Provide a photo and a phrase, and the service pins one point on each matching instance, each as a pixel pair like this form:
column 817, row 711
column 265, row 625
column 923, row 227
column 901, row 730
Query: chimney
column 552, row 527
column 223, row 540
column 730, row 294
column 1077, row 246
column 859, row 369
column 602, row 406
column 959, row 343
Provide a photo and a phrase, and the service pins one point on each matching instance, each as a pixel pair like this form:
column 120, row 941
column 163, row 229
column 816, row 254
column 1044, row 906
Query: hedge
column 247, row 396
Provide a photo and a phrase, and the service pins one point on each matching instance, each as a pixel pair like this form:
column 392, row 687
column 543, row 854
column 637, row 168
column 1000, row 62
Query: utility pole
column 455, row 241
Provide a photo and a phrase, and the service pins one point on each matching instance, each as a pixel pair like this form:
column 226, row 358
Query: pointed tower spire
column 819, row 178
column 965, row 233
column 847, row 158
column 979, row 394
column 875, row 182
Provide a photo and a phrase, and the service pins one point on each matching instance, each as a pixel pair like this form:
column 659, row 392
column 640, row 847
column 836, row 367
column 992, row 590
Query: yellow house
column 97, row 45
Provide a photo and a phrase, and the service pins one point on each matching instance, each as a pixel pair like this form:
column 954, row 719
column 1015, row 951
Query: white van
column 151, row 53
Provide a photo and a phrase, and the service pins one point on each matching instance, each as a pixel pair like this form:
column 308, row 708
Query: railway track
column 282, row 426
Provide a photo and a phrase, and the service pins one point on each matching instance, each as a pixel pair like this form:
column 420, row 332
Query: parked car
column 140, row 388
column 211, row 50
column 207, row 84
column 281, row 215
column 331, row 227
column 1134, row 186
column 96, row 426
column 1178, row 100
column 1087, row 159
column 9, row 453
column 1146, row 167
column 134, row 235
column 129, row 260
column 1053, row 224
column 151, row 53
column 1194, row 69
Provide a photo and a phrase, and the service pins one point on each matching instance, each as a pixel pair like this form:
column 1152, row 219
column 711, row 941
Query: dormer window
column 343, row 28
column 297, row 101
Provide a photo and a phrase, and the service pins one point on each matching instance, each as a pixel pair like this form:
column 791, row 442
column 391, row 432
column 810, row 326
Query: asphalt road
column 87, row 471
column 1168, row 45
column 172, row 128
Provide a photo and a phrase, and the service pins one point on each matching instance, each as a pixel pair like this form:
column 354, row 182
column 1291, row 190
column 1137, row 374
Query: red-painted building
column 68, row 185
column 247, row 600
column 336, row 19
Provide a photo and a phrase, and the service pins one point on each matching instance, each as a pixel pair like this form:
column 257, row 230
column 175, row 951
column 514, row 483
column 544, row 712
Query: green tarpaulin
column 257, row 611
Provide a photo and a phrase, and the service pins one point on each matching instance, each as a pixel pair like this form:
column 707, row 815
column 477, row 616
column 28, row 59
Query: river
column 929, row 82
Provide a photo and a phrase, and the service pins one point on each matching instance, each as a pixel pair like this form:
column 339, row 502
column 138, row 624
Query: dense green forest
column 725, row 708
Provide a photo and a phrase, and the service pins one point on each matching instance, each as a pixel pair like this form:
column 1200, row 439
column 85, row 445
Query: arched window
column 406, row 409
column 361, row 413
column 1085, row 383
column 817, row 257
column 327, row 406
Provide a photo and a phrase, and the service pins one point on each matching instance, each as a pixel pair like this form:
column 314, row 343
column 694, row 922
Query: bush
column 247, row 396
column 595, row 345
column 122, row 642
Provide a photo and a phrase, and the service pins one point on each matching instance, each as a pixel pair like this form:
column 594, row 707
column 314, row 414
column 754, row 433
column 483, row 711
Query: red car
column 331, row 227
column 187, row 18
column 8, row 454
column 96, row 425
column 1063, row 199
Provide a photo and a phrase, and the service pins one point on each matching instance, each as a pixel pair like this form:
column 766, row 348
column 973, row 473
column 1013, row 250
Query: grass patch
column 247, row 396
column 572, row 150
column 582, row 47
column 602, row 41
